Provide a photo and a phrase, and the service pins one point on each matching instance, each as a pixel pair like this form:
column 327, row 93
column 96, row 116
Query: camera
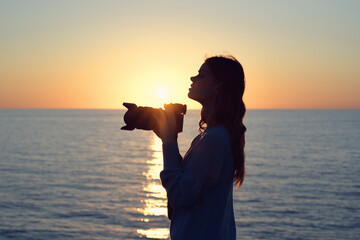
column 144, row 117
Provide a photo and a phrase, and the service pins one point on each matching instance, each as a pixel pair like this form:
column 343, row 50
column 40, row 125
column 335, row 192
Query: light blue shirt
column 200, row 187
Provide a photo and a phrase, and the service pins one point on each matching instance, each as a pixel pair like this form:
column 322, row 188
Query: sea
column 73, row 174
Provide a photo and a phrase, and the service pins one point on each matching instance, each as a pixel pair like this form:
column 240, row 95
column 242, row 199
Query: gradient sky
column 98, row 54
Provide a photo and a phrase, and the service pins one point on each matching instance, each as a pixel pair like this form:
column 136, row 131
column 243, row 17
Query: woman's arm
column 184, row 184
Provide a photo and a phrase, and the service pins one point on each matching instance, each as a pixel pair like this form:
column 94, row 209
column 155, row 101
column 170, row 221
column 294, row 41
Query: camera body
column 144, row 117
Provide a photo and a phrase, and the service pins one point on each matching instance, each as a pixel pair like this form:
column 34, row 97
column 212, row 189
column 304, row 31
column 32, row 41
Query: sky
column 99, row 54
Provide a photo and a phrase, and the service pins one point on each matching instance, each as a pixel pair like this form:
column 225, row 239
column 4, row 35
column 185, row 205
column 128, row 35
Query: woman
column 199, row 186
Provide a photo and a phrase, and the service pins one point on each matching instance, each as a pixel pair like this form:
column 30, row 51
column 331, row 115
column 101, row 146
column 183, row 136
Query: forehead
column 204, row 68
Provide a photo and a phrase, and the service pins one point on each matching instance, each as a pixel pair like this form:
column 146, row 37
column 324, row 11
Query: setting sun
column 161, row 93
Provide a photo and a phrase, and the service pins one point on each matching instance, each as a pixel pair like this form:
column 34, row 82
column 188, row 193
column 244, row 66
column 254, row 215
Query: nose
column 193, row 79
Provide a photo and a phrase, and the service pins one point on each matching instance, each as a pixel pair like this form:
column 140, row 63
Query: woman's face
column 203, row 86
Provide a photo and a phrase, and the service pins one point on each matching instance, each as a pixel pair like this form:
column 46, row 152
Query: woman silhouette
column 200, row 185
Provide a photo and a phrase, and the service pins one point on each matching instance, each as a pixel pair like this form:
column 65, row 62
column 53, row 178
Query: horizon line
column 191, row 109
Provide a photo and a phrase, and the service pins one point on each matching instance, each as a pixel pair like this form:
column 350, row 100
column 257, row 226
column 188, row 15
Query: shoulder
column 218, row 134
column 217, row 131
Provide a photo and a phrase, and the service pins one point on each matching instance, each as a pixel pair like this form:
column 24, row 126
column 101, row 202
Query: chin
column 189, row 94
column 193, row 97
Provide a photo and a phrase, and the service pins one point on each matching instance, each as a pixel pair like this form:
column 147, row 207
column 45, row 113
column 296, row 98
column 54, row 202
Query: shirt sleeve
column 184, row 184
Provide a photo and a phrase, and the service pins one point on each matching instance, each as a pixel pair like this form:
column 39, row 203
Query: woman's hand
column 166, row 126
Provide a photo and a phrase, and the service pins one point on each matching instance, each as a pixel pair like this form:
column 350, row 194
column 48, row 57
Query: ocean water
column 73, row 174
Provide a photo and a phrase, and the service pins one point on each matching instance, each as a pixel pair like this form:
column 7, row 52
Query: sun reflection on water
column 155, row 203
column 155, row 233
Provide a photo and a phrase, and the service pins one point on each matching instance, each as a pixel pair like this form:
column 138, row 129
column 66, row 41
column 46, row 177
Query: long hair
column 230, row 110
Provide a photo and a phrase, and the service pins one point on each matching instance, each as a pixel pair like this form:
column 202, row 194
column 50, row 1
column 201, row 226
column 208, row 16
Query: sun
column 161, row 93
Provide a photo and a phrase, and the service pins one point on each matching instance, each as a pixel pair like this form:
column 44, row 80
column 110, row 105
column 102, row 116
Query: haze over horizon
column 98, row 54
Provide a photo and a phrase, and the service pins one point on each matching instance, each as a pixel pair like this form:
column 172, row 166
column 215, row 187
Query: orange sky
column 98, row 54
